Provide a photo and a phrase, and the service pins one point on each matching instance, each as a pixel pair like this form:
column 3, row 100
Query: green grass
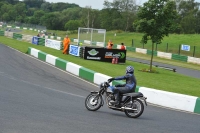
column 164, row 80
column 173, row 41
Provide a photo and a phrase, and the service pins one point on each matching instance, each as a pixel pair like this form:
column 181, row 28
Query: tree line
column 117, row 15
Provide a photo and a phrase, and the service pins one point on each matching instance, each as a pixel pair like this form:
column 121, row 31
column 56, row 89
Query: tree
column 47, row 7
column 72, row 25
column 128, row 10
column 188, row 12
column 156, row 18
column 20, row 8
column 37, row 16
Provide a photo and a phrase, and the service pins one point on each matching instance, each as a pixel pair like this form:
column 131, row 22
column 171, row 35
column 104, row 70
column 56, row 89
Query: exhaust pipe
column 126, row 108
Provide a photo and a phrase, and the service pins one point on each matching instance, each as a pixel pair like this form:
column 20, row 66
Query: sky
column 95, row 4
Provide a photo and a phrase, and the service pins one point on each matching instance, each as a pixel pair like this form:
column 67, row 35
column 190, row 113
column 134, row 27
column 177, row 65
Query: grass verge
column 163, row 80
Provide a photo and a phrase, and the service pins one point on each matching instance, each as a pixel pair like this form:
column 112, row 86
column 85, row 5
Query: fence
column 17, row 24
column 171, row 48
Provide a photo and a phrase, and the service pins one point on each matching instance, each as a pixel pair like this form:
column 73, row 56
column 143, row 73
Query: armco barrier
column 140, row 50
column 168, row 99
column 149, row 52
column 1, row 33
column 17, row 36
column 158, row 97
column 41, row 41
column 9, row 34
column 179, row 57
column 193, row 60
column 197, row 106
column 27, row 38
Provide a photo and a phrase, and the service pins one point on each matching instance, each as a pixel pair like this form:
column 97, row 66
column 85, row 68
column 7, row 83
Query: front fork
column 97, row 97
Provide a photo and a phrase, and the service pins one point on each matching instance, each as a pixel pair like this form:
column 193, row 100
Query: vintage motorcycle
column 130, row 103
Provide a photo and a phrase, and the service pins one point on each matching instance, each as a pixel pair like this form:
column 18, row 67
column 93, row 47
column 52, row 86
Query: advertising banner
column 74, row 50
column 185, row 47
column 105, row 55
column 35, row 40
column 53, row 44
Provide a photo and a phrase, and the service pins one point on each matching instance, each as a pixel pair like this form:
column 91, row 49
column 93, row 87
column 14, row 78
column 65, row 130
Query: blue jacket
column 130, row 80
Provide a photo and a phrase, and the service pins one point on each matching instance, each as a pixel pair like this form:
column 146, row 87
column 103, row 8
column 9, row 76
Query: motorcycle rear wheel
column 93, row 102
column 138, row 105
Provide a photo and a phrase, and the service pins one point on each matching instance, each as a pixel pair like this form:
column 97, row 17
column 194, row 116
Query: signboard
column 103, row 54
column 185, row 47
column 53, row 44
column 74, row 50
column 35, row 40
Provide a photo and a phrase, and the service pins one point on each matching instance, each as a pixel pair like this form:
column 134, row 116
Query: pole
column 78, row 35
column 194, row 50
column 91, row 36
column 132, row 43
column 167, row 48
column 104, row 39
column 156, row 46
column 179, row 51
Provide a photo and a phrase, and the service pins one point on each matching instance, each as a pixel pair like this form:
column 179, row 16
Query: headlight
column 101, row 85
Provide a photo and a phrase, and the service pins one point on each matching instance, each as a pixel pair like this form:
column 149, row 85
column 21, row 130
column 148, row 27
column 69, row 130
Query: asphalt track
column 38, row 98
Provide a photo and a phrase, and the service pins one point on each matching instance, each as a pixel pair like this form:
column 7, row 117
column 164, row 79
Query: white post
column 104, row 39
column 91, row 36
column 78, row 35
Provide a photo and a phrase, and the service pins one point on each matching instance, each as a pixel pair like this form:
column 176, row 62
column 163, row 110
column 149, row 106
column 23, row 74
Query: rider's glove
column 110, row 80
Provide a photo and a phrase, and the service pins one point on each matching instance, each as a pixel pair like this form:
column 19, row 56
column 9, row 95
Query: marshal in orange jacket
column 66, row 43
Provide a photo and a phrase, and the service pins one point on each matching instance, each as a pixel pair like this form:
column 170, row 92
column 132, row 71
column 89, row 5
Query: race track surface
column 38, row 98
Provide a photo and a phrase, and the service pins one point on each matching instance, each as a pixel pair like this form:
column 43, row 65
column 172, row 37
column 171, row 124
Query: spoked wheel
column 93, row 102
column 135, row 108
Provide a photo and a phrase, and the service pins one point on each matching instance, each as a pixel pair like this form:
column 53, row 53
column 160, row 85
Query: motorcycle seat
column 137, row 94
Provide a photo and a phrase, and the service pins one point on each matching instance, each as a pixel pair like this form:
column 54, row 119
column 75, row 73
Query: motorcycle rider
column 124, row 88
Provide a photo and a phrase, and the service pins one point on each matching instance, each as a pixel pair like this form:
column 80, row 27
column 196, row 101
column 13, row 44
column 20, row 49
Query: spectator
column 66, row 43
column 122, row 46
column 110, row 44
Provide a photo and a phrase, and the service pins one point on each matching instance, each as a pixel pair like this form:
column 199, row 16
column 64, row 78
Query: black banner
column 103, row 54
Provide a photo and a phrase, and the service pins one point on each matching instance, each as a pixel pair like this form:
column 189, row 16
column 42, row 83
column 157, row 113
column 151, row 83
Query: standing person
column 122, row 46
column 110, row 44
column 66, row 43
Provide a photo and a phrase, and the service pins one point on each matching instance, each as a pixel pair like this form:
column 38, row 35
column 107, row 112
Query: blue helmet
column 129, row 69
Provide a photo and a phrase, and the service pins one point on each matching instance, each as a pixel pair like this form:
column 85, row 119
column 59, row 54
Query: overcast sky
column 95, row 4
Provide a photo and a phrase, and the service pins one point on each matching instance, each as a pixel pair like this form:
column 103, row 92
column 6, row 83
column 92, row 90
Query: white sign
column 53, row 44
column 185, row 47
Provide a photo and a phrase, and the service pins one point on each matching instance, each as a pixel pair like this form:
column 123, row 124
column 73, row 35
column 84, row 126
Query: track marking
column 27, row 82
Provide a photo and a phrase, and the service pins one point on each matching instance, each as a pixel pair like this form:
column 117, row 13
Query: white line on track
column 27, row 82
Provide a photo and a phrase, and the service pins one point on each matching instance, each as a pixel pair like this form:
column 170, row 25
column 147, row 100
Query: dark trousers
column 121, row 90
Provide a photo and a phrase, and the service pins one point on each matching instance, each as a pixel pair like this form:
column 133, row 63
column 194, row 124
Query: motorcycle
column 132, row 104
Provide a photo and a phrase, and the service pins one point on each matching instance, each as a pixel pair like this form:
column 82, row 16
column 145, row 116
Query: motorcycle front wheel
column 93, row 102
column 136, row 108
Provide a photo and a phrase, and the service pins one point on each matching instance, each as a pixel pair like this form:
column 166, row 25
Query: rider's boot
column 116, row 102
